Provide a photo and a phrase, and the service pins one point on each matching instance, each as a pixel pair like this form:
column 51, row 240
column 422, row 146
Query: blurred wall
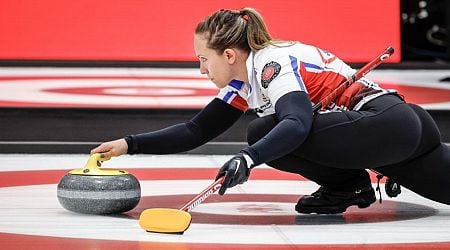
column 162, row 30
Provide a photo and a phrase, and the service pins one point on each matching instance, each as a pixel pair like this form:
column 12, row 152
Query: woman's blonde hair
column 242, row 29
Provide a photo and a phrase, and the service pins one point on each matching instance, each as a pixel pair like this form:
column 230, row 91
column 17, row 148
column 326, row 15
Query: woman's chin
column 218, row 85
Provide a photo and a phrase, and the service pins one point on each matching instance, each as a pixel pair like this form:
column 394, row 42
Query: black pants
column 396, row 139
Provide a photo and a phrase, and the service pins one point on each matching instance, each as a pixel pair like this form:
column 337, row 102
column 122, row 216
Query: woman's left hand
column 236, row 171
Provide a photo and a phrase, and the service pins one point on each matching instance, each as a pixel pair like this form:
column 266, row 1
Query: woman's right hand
column 112, row 148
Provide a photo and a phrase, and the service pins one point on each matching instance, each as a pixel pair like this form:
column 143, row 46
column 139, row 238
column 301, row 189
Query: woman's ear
column 230, row 55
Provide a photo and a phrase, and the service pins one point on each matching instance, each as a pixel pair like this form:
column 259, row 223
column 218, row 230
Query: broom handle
column 203, row 195
column 355, row 77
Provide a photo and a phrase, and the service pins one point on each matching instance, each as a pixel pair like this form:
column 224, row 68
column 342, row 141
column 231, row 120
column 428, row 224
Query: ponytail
column 243, row 29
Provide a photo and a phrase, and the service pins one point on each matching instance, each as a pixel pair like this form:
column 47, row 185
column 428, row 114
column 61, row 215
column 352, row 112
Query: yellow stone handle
column 94, row 160
column 92, row 167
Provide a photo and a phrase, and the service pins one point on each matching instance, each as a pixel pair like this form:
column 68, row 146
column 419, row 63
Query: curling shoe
column 326, row 201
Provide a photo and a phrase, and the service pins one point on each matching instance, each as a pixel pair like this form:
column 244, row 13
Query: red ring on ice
column 36, row 177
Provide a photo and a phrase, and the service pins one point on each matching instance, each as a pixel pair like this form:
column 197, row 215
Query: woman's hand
column 236, row 171
column 111, row 148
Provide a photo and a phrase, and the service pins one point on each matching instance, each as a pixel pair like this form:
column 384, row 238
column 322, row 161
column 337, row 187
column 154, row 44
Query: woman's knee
column 259, row 127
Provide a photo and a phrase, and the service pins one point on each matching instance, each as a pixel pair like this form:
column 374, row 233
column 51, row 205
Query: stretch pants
column 394, row 138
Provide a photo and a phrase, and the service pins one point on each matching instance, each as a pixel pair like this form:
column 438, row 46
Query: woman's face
column 218, row 67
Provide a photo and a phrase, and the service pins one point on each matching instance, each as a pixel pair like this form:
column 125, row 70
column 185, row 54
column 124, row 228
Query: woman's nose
column 203, row 70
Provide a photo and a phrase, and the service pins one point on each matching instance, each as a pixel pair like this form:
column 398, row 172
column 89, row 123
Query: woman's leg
column 386, row 131
column 399, row 140
column 340, row 189
column 427, row 172
column 334, row 178
column 427, row 175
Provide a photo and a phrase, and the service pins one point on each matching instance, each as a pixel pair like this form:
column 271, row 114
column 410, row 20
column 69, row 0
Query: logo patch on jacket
column 269, row 72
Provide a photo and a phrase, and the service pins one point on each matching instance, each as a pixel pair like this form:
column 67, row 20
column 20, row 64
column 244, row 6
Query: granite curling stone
column 94, row 190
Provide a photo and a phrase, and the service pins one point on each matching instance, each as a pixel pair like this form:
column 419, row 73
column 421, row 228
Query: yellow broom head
column 165, row 220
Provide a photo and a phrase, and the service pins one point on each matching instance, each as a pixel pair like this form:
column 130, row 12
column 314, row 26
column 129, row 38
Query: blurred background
column 149, row 31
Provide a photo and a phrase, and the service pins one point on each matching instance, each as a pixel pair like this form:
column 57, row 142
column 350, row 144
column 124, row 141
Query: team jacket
column 275, row 71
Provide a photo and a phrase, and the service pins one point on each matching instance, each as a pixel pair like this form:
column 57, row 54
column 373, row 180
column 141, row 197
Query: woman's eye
column 203, row 59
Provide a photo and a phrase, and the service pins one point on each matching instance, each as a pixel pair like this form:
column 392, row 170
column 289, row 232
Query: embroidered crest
column 269, row 72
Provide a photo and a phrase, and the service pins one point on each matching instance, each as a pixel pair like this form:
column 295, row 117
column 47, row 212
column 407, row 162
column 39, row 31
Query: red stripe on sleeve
column 239, row 103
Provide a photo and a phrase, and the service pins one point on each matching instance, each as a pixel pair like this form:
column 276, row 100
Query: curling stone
column 94, row 190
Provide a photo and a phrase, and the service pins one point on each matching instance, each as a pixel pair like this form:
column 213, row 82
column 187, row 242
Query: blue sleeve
column 294, row 112
column 209, row 123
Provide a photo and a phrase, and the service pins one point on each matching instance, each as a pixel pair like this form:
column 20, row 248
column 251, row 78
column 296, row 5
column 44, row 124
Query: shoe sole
column 361, row 203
